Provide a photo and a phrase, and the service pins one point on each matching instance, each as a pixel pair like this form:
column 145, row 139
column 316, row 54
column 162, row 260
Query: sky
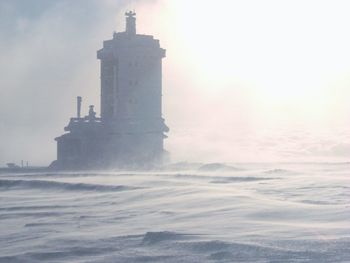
column 243, row 81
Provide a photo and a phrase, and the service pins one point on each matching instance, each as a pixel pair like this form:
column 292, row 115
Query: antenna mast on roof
column 130, row 22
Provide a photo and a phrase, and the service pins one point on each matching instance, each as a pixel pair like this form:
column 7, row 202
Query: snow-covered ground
column 213, row 213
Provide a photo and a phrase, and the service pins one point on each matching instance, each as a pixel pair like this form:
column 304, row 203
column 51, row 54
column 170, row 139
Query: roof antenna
column 130, row 22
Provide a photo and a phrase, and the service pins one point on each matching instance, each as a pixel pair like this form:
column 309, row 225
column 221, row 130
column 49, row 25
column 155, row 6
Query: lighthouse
column 131, row 129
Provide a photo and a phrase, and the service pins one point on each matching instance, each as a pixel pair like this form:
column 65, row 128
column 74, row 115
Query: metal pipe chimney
column 79, row 100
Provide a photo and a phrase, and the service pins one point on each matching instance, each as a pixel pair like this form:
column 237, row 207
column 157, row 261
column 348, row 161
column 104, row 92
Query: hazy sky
column 244, row 80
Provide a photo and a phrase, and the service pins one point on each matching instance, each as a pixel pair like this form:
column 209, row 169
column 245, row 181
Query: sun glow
column 284, row 56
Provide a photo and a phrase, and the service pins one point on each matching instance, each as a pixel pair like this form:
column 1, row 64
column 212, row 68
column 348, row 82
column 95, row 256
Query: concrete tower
column 131, row 128
column 131, row 94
